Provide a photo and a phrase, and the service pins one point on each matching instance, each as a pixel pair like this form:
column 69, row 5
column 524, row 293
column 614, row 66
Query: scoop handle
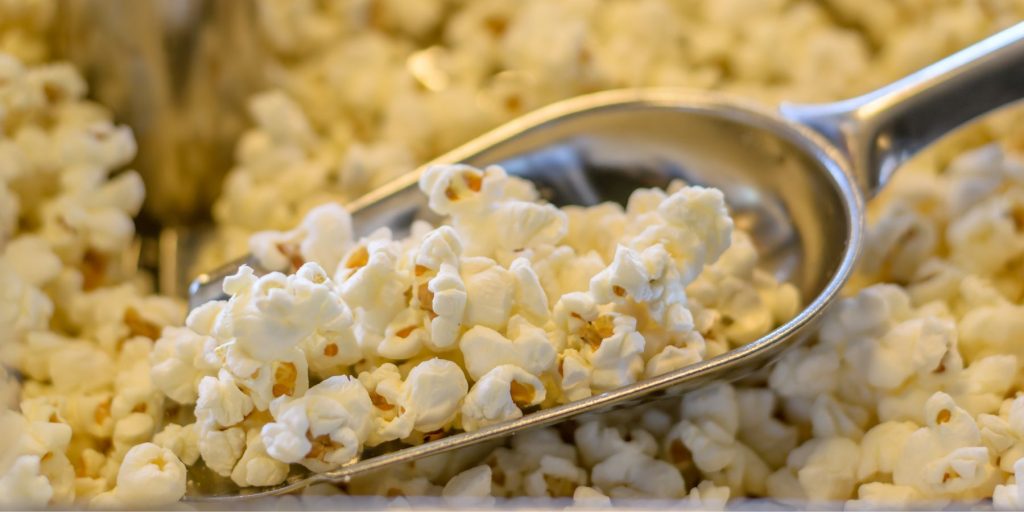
column 884, row 128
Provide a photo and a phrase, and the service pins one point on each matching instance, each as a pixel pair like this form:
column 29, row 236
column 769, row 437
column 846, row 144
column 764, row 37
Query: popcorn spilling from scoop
column 451, row 328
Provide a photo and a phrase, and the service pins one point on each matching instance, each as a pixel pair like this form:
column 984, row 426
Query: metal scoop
column 796, row 179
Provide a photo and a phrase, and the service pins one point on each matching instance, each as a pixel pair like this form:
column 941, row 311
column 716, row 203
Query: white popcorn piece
column 870, row 313
column 472, row 486
column 323, row 429
column 990, row 330
column 31, row 258
column 825, row 469
column 405, row 336
column 589, row 497
column 833, row 418
column 612, row 346
column 805, row 372
column 597, row 442
column 256, row 467
column 633, row 474
column 461, row 189
column 132, row 430
column 672, row 358
column 914, row 347
column 531, row 301
column 178, row 363
column 500, row 395
column 23, row 308
column 555, row 477
column 576, row 375
column 490, row 293
column 1009, row 496
column 760, row 429
column 266, row 381
column 881, row 447
column 427, row 401
column 900, row 241
column 149, row 475
column 272, row 314
column 371, row 283
column 183, row 441
column 448, row 300
column 438, row 247
column 323, row 237
column 875, row 495
column 945, row 458
column 529, row 348
column 221, row 449
column 80, row 366
column 220, row 400
column 695, row 226
column 23, row 485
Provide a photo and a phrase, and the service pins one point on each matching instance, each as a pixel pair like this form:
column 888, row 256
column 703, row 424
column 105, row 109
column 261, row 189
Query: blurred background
column 249, row 113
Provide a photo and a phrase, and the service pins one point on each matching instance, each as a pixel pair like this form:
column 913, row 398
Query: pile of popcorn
column 909, row 395
column 76, row 325
column 512, row 304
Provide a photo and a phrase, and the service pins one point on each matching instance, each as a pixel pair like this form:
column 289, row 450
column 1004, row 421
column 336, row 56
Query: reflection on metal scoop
column 796, row 180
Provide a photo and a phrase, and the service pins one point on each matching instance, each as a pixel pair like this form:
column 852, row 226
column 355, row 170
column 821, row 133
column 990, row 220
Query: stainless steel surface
column 794, row 190
column 178, row 72
column 884, row 128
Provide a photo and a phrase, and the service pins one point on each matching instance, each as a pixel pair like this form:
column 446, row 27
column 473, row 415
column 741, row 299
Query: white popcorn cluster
column 459, row 326
column 74, row 325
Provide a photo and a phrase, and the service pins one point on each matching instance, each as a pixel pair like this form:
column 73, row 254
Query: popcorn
column 221, row 401
column 31, row 258
column 874, row 495
column 272, row 314
column 597, row 442
column 256, row 467
column 530, row 298
column 760, row 429
column 23, row 485
column 330, row 134
column 221, row 449
column 490, row 292
column 555, row 477
column 706, row 495
column 880, row 449
column 1009, row 496
column 472, row 485
column 614, row 349
column 945, row 457
column 577, row 375
column 80, row 366
column 183, row 441
column 634, row 474
column 824, row 469
column 832, row 418
column 588, row 497
column 323, row 429
column 499, row 395
column 428, row 400
column 149, row 475
column 485, row 349
column 448, row 302
column 323, row 238
column 914, row 347
column 178, row 363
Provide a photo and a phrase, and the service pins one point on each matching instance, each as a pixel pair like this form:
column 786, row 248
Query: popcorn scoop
column 796, row 178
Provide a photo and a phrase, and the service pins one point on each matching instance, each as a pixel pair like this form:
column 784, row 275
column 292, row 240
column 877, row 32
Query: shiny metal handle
column 884, row 128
